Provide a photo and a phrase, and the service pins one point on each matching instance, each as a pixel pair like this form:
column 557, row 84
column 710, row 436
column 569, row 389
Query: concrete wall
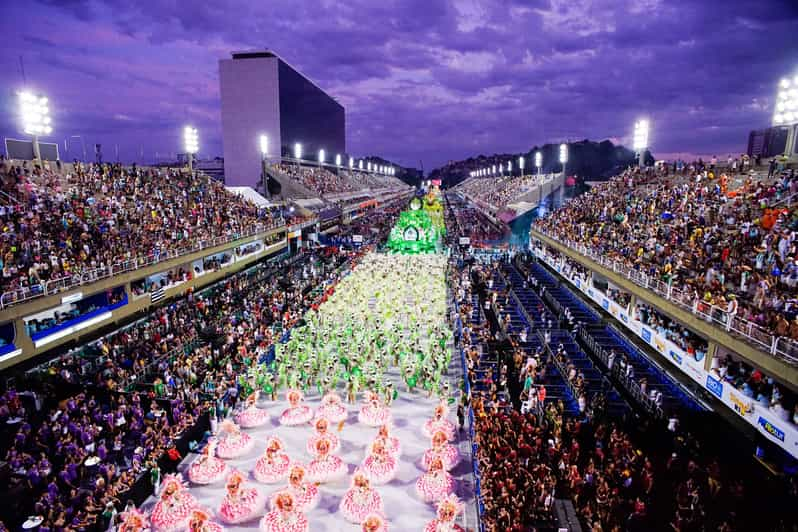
column 250, row 107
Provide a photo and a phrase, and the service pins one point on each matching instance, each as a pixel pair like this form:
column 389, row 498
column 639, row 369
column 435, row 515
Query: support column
column 712, row 351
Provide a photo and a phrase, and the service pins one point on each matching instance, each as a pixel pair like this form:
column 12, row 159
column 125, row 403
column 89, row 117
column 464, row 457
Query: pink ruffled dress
column 374, row 414
column 448, row 454
column 277, row 521
column 332, row 410
column 380, row 468
column 326, row 468
column 433, row 425
column 252, row 416
column 171, row 513
column 247, row 504
column 359, row 502
column 335, row 442
column 272, row 468
column 434, row 485
column 207, row 469
column 306, row 496
column 234, row 444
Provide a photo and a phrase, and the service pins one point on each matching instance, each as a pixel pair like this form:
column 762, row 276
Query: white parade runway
column 403, row 509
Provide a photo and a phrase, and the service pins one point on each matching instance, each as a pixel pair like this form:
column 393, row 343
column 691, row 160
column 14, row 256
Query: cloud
column 429, row 80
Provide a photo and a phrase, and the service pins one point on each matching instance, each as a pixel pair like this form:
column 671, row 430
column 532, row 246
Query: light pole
column 563, row 157
column 338, row 160
column 640, row 141
column 36, row 120
column 191, row 144
column 351, row 163
column 321, row 157
column 360, row 165
column 538, row 161
column 786, row 113
column 521, row 165
column 263, row 140
column 298, row 152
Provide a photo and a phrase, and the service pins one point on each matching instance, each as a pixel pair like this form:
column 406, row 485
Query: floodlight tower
column 338, row 160
column 521, row 164
column 785, row 114
column 563, row 157
column 298, row 152
column 191, row 144
column 538, row 161
column 322, row 156
column 264, row 156
column 36, row 120
column 640, row 140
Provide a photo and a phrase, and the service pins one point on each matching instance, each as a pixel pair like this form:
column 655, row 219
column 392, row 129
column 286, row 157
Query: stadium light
column 368, row 166
column 563, row 156
column 191, row 144
column 298, row 151
column 360, row 164
column 538, row 161
column 493, row 169
column 510, row 166
column 640, row 140
column 36, row 121
column 321, row 156
column 785, row 112
column 521, row 164
column 264, row 146
column 337, row 159
column 351, row 163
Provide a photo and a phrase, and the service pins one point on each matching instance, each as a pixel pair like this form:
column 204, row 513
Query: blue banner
column 646, row 335
column 714, row 386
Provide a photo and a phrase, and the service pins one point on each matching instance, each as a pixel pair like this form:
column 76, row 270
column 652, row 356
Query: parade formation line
column 391, row 456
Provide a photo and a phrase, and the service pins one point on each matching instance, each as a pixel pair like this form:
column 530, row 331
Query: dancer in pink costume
column 240, row 504
column 133, row 521
column 285, row 517
column 306, row 495
column 252, row 416
column 448, row 454
column 374, row 413
column 201, row 522
column 273, row 466
column 325, row 467
column 174, row 506
column 391, row 443
column 234, row 443
column 438, row 421
column 379, row 466
column 207, row 469
column 332, row 408
column 297, row 414
column 360, row 500
column 321, row 425
column 448, row 509
column 374, row 523
column 435, row 484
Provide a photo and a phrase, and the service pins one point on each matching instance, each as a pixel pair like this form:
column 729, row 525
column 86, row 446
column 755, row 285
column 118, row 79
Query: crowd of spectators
column 731, row 249
column 62, row 225
column 466, row 221
column 630, row 475
column 155, row 378
column 499, row 191
column 325, row 182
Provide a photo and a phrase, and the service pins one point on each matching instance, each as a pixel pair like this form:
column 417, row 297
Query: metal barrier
column 781, row 347
column 62, row 284
column 629, row 383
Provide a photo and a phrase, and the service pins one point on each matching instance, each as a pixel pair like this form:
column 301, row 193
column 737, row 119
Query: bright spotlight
column 563, row 153
column 640, row 139
column 521, row 163
column 786, row 103
column 297, row 151
column 321, row 156
column 337, row 159
column 191, row 139
column 538, row 159
column 360, row 164
column 264, row 145
column 35, row 114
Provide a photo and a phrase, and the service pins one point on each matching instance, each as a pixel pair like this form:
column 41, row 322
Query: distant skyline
column 421, row 80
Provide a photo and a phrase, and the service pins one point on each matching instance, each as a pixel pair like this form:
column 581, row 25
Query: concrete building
column 264, row 95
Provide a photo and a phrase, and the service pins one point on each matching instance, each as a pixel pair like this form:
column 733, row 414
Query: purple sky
column 427, row 80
